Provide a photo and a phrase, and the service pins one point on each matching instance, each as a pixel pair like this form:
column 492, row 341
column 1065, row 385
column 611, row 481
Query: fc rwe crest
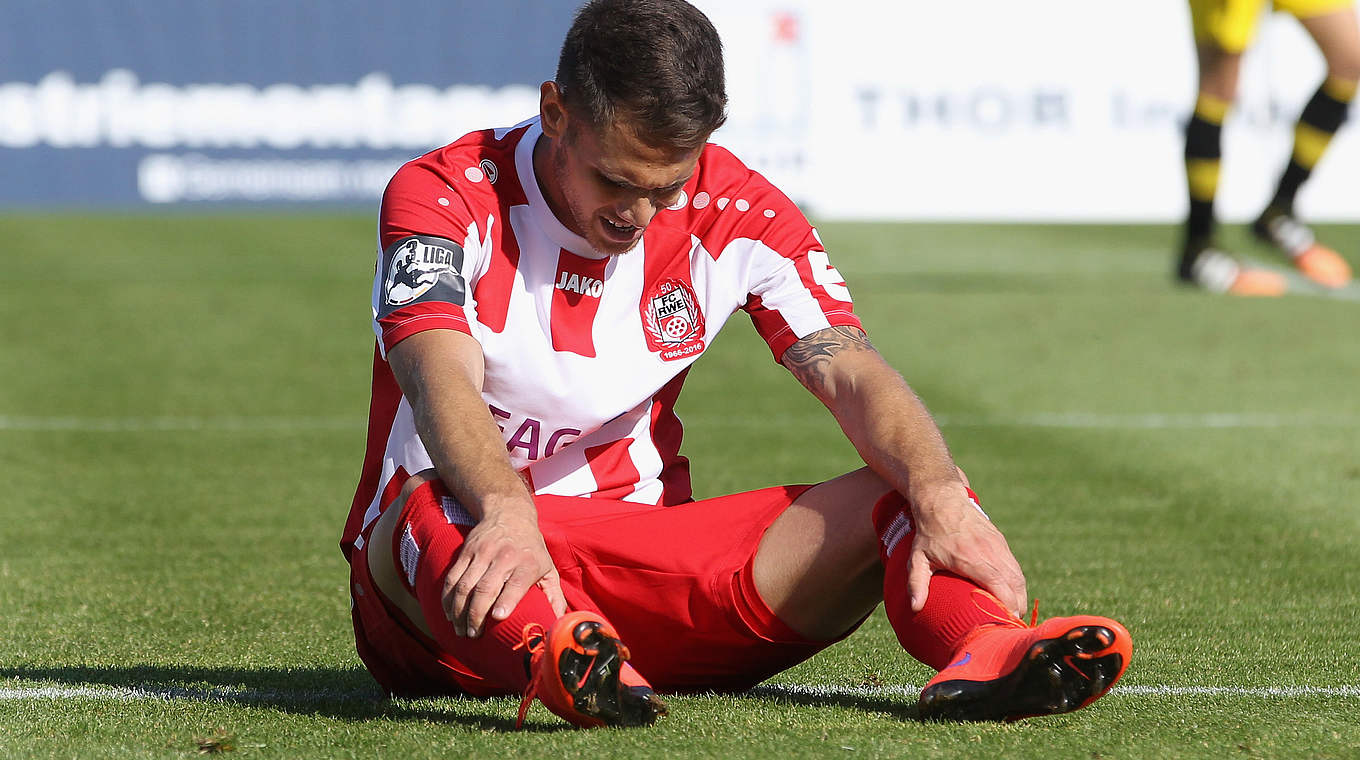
column 673, row 321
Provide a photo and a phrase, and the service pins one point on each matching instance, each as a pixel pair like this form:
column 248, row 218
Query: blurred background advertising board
column 860, row 109
column 253, row 101
column 1062, row 110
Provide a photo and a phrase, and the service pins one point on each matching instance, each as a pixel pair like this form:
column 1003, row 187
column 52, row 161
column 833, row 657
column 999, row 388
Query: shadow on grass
column 903, row 709
column 343, row 693
column 350, row 694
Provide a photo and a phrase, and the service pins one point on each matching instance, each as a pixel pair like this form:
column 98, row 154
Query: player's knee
column 1220, row 89
column 1218, row 70
column 870, row 485
column 1345, row 66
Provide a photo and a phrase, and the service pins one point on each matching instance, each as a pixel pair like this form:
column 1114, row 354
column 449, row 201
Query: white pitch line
column 1263, row 692
column 128, row 694
column 1302, row 286
column 1234, row 691
column 1064, row 420
column 904, row 692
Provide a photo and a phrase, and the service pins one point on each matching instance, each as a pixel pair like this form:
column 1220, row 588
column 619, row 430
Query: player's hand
column 952, row 534
column 502, row 558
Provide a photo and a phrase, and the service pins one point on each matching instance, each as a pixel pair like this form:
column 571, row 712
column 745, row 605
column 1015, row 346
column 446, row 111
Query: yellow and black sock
column 1318, row 123
column 1203, row 154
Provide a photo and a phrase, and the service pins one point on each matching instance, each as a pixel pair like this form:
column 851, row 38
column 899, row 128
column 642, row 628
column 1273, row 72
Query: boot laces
column 533, row 639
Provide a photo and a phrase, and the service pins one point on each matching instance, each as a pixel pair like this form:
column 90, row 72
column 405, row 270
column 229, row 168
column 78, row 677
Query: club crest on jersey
column 672, row 320
column 416, row 266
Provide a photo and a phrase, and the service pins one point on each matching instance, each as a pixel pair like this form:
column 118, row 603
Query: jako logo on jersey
column 672, row 320
column 416, row 267
column 576, row 283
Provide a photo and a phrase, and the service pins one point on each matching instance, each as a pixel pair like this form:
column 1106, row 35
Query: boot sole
column 592, row 680
column 1056, row 675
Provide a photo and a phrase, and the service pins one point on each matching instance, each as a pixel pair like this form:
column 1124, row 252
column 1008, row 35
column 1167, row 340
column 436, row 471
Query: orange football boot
column 1220, row 272
column 1279, row 227
column 579, row 670
column 1008, row 671
column 1324, row 266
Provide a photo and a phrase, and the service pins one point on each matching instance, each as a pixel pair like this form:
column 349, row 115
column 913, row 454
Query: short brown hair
column 657, row 62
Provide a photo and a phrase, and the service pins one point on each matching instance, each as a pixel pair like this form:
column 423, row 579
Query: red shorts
column 676, row 582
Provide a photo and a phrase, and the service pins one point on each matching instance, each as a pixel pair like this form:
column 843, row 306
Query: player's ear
column 552, row 112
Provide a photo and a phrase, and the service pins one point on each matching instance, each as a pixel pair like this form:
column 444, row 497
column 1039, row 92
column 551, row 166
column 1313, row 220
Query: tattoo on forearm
column 807, row 359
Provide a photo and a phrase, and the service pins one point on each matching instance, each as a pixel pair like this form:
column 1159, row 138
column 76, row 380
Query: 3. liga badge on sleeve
column 416, row 266
column 672, row 320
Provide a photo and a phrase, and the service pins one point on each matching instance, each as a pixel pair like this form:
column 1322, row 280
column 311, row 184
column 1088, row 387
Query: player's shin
column 1203, row 155
column 498, row 653
column 992, row 666
column 955, row 606
column 1319, row 122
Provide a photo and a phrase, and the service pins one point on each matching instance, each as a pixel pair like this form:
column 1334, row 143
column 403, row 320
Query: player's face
column 607, row 185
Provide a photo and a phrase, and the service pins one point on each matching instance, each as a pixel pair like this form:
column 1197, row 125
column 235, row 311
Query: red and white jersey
column 585, row 352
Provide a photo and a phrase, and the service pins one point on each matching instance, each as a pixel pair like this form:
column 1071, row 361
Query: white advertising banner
column 860, row 109
column 1066, row 110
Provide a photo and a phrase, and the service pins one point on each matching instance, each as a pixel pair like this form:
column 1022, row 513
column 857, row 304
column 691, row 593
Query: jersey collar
column 538, row 205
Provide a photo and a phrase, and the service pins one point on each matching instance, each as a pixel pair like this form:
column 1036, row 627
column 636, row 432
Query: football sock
column 1203, row 154
column 1321, row 118
column 498, row 654
column 955, row 606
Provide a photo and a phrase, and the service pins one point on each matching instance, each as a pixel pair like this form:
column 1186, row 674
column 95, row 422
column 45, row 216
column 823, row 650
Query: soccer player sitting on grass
column 1223, row 29
column 524, row 521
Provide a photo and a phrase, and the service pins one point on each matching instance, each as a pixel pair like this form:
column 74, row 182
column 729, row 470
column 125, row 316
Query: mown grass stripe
column 907, row 692
column 177, row 424
column 1068, row 420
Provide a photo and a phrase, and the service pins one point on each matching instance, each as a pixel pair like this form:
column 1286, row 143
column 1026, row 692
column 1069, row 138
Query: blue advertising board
column 149, row 102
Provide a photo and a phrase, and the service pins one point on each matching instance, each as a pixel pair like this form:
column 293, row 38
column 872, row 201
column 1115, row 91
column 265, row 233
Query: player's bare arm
column 440, row 372
column 896, row 437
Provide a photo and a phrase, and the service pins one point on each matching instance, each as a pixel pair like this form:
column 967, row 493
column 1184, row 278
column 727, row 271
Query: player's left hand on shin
column 957, row 537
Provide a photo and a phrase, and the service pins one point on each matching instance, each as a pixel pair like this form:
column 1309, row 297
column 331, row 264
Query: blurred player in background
column 525, row 523
column 1223, row 30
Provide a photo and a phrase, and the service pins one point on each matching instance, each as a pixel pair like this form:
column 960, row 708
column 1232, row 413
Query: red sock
column 955, row 606
column 498, row 655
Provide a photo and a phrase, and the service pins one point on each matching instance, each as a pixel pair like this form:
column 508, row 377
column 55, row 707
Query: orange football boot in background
column 1220, row 272
column 1324, row 266
column 1317, row 262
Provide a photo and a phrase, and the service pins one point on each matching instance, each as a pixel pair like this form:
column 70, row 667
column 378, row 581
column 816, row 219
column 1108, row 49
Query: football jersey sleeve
column 428, row 250
column 794, row 289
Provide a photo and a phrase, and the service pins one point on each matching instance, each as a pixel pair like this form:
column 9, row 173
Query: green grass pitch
column 181, row 426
